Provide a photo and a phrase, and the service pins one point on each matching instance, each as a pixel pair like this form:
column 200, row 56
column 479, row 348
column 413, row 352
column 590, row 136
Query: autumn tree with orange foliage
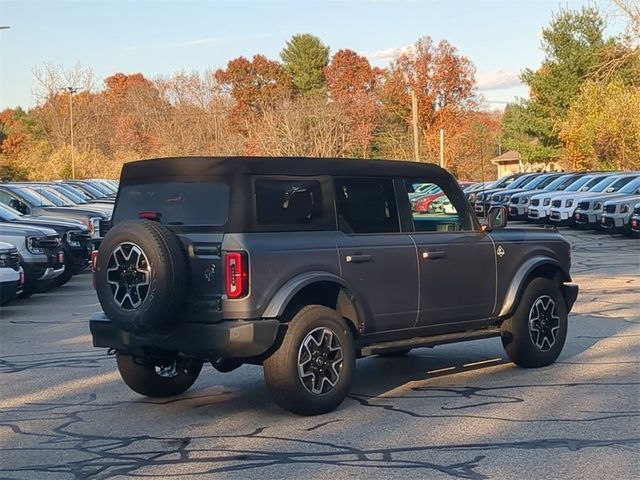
column 352, row 85
column 444, row 84
column 254, row 86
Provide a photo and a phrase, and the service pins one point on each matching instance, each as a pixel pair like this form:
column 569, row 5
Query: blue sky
column 162, row 36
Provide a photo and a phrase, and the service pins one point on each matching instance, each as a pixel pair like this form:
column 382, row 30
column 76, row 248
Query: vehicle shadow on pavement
column 380, row 378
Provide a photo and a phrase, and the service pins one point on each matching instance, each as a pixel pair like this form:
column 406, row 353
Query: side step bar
column 385, row 347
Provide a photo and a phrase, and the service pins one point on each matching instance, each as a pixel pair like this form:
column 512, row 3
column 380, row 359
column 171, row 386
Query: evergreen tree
column 304, row 58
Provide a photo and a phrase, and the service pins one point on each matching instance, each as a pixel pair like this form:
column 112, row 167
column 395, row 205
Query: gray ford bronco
column 303, row 265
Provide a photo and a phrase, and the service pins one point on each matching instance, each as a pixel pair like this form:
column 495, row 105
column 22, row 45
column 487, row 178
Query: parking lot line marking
column 446, row 369
column 482, row 362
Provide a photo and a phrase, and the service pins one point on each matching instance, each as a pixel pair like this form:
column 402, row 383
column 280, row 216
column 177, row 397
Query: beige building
column 511, row 162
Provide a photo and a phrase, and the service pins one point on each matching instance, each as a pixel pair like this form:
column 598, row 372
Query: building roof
column 507, row 157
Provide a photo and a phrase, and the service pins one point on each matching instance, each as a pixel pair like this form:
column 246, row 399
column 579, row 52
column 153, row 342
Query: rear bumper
column 570, row 294
column 227, row 339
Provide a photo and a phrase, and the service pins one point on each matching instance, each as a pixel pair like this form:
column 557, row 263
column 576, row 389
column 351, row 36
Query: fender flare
column 284, row 295
column 517, row 282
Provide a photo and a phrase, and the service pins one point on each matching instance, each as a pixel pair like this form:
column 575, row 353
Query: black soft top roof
column 199, row 168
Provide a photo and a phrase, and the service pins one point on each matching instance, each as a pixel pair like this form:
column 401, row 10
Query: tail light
column 94, row 264
column 236, row 274
column 148, row 215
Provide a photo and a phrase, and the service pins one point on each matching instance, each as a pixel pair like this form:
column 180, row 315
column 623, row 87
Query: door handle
column 433, row 255
column 358, row 258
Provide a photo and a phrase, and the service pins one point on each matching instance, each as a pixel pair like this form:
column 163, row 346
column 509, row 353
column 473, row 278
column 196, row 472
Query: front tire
column 312, row 370
column 534, row 336
column 151, row 380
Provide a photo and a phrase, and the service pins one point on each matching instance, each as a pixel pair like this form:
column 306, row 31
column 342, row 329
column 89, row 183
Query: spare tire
column 141, row 276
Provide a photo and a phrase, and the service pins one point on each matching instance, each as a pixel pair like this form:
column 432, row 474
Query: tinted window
column 288, row 202
column 366, row 205
column 176, row 203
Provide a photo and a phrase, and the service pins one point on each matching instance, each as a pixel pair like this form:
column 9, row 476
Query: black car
column 39, row 253
column 303, row 265
column 75, row 238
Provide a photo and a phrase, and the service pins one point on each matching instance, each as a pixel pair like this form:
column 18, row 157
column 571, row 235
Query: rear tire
column 145, row 379
column 535, row 334
column 312, row 370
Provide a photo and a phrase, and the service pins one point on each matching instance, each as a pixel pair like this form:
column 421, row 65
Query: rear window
column 176, row 203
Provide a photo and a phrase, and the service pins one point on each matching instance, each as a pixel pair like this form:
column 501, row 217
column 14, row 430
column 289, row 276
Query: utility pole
column 442, row 147
column 71, row 91
column 414, row 113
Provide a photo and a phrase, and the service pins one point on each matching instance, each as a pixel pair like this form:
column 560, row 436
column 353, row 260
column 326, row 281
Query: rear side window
column 366, row 205
column 289, row 202
column 176, row 203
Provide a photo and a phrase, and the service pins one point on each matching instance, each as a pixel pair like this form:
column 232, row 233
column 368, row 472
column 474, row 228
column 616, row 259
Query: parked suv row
column 51, row 228
column 577, row 199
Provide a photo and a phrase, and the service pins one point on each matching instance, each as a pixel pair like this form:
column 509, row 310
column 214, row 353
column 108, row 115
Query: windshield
column 631, row 187
column 502, row 182
column 56, row 200
column 552, row 186
column 75, row 191
column 603, row 184
column 577, row 185
column 107, row 186
column 8, row 214
column 34, row 198
column 68, row 194
column 520, row 182
column 92, row 191
column 535, row 181
column 546, row 181
column 100, row 187
column 593, row 182
column 176, row 203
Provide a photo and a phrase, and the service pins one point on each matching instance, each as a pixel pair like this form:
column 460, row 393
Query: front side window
column 366, row 205
column 436, row 212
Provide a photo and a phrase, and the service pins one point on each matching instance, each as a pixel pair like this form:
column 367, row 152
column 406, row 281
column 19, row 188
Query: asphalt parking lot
column 457, row 411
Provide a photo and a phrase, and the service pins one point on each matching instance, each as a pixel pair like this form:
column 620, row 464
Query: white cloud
column 187, row 43
column 387, row 53
column 498, row 80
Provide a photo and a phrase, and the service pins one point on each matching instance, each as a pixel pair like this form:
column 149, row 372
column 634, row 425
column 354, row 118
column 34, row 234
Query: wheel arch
column 319, row 288
column 538, row 266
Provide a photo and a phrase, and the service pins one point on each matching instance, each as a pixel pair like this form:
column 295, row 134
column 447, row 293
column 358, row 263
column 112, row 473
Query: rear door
column 456, row 262
column 377, row 260
column 197, row 212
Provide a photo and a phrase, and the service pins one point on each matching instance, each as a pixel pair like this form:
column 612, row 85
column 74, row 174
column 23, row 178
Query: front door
column 378, row 262
column 456, row 262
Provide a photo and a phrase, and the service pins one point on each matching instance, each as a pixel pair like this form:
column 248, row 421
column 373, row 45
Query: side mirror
column 496, row 219
column 610, row 190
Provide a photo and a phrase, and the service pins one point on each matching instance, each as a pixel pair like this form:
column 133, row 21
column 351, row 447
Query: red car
column 422, row 205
